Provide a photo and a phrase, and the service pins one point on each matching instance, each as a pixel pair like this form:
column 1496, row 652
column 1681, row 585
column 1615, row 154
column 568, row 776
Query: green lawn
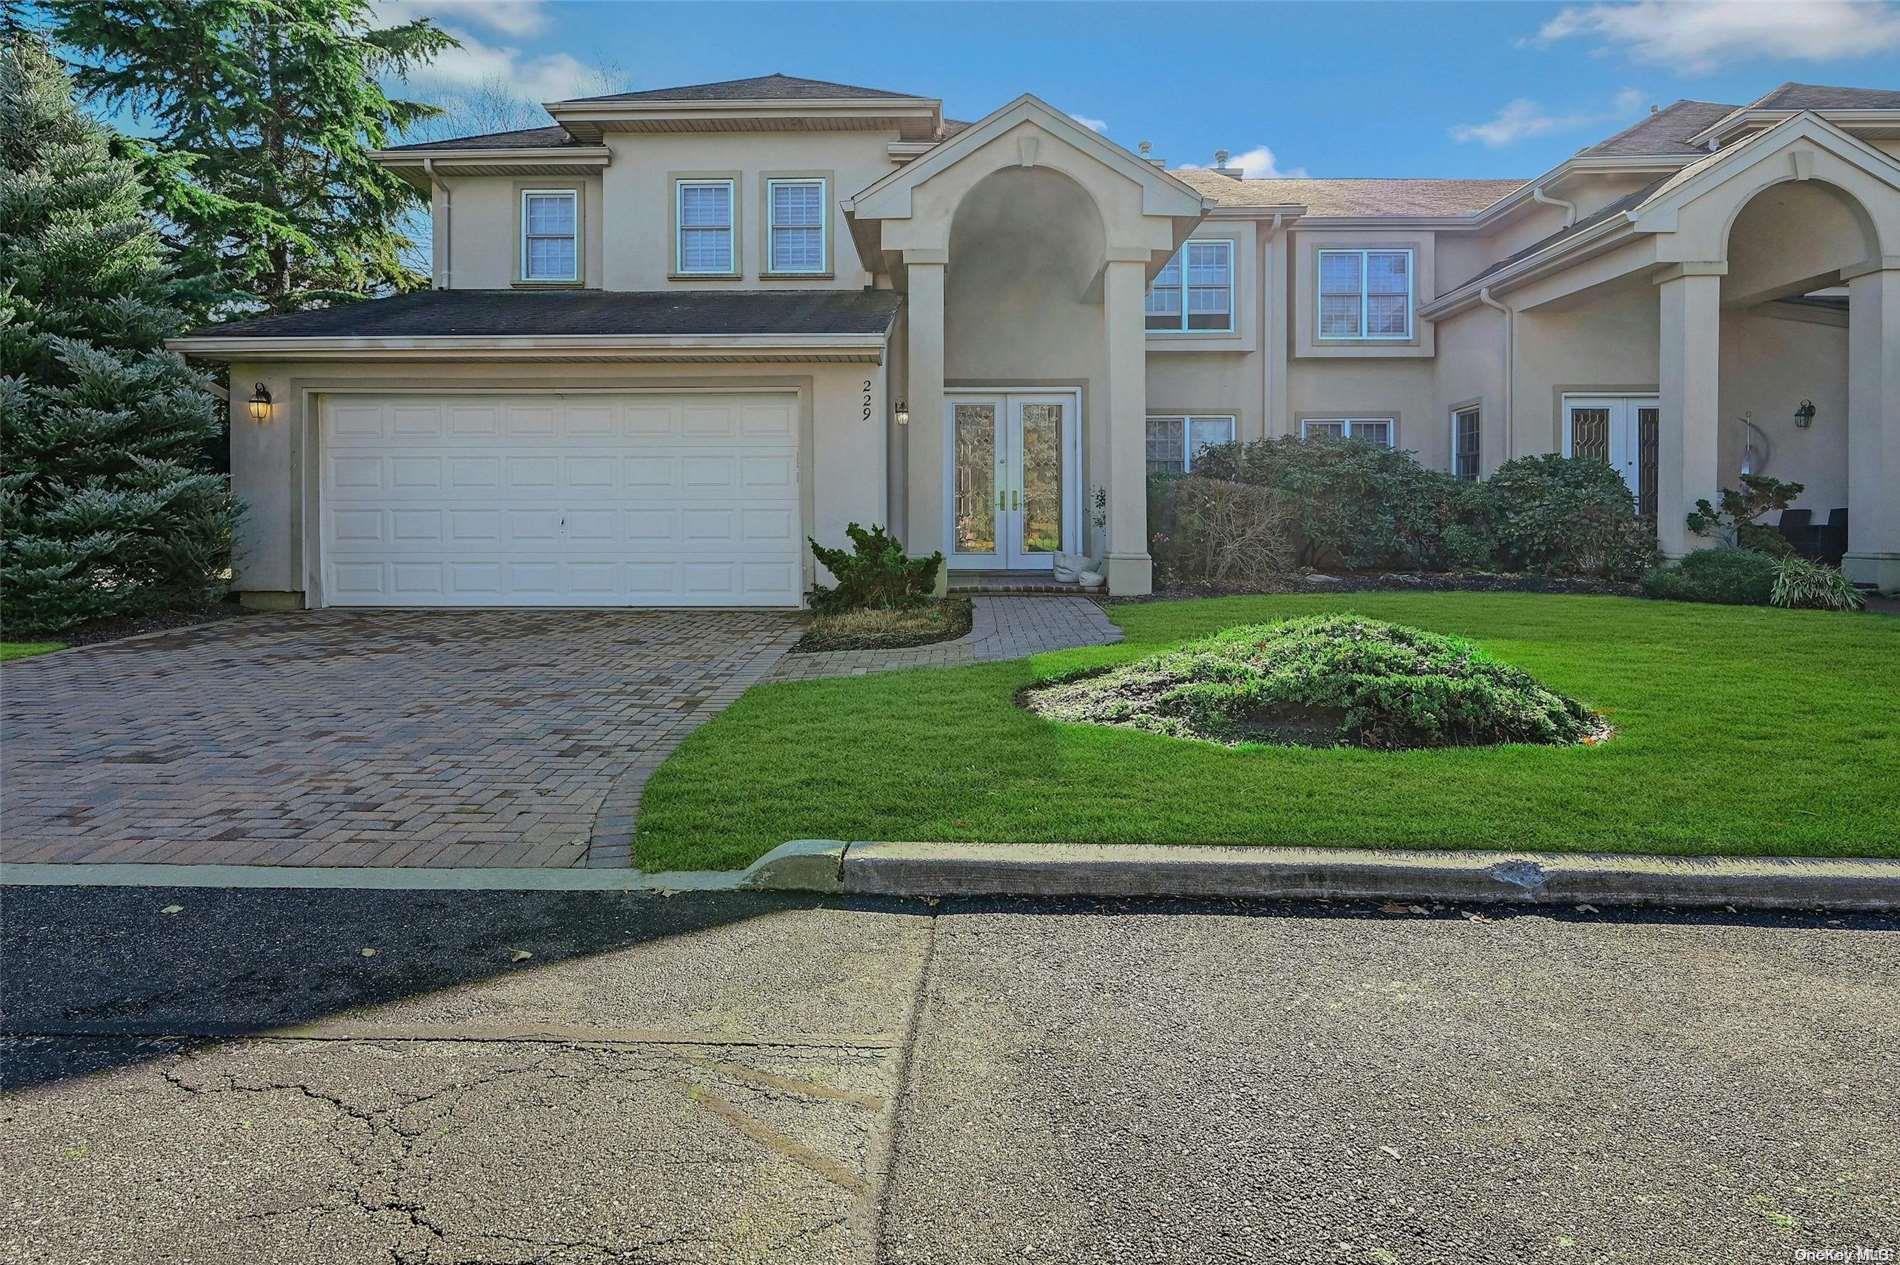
column 1741, row 731
column 27, row 649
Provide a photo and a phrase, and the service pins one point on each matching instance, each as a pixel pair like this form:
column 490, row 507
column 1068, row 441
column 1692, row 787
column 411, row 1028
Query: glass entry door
column 1620, row 430
column 1011, row 476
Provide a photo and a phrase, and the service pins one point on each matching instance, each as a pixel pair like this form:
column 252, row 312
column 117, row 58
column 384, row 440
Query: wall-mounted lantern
column 902, row 413
column 1804, row 416
column 260, row 403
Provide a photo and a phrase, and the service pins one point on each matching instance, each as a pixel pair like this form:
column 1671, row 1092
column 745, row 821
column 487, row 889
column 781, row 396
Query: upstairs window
column 1194, row 294
column 1374, row 430
column 1365, row 294
column 1174, row 442
column 1465, row 437
column 550, row 248
column 705, row 227
column 795, row 225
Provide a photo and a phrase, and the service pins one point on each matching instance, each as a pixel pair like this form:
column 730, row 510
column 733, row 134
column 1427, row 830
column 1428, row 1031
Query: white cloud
column 1093, row 125
column 1699, row 36
column 1524, row 118
column 546, row 77
column 1258, row 163
column 506, row 17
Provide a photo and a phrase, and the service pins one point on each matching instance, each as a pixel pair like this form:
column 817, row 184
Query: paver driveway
column 365, row 738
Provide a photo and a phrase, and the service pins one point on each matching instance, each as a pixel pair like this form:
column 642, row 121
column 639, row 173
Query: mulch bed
column 156, row 621
column 1411, row 581
column 820, row 638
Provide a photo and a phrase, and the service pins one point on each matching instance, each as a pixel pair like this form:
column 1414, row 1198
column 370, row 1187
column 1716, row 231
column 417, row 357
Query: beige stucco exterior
column 1022, row 246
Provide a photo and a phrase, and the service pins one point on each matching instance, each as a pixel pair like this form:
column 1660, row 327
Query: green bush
column 874, row 574
column 1804, row 585
column 1564, row 516
column 1216, row 531
column 1324, row 680
column 1356, row 505
column 1732, row 577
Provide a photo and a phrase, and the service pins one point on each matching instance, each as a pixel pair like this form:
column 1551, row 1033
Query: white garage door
column 680, row 499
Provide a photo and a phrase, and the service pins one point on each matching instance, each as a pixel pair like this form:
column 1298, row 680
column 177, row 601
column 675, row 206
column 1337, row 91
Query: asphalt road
column 243, row 1076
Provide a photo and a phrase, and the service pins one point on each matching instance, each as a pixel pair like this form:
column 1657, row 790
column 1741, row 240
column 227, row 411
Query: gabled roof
column 542, row 313
column 1668, row 131
column 520, row 138
column 1818, row 96
column 1354, row 198
column 773, row 87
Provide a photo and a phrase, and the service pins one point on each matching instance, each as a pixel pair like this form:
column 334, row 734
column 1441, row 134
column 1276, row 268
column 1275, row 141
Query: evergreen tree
column 105, row 505
column 266, row 113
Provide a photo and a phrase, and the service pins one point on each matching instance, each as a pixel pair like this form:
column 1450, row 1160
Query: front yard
column 1739, row 731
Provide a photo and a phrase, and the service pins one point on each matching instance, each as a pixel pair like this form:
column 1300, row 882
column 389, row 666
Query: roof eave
column 856, row 346
column 1554, row 257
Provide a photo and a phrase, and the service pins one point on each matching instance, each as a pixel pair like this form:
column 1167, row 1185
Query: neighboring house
column 681, row 330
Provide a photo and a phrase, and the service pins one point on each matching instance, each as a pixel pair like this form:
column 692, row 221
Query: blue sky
column 1341, row 89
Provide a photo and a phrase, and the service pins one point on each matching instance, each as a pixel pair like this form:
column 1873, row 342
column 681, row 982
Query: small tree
column 1733, row 522
column 105, row 505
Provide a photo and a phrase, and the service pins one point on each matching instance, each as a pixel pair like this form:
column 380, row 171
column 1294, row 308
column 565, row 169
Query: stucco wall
column 1606, row 340
column 842, row 457
column 1470, row 369
column 483, row 215
column 639, row 196
column 1769, row 365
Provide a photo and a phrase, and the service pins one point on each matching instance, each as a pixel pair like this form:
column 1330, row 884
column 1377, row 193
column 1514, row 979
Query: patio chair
column 1797, row 528
column 1830, row 542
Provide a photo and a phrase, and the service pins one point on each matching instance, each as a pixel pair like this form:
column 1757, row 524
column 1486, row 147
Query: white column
column 924, row 316
column 1689, row 373
column 1873, row 423
column 1130, row 569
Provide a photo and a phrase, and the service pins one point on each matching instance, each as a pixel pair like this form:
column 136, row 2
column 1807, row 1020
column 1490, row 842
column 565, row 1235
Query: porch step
column 1003, row 583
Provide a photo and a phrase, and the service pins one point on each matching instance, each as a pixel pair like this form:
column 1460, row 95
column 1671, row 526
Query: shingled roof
column 1351, row 197
column 773, row 87
column 531, row 313
column 1667, row 131
column 1819, row 96
column 521, row 138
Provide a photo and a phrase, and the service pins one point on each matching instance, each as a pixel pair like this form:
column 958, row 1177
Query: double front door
column 1619, row 429
column 1011, row 493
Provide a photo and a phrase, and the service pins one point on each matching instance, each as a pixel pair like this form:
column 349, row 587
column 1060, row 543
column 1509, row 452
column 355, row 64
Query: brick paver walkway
column 506, row 738
column 1000, row 628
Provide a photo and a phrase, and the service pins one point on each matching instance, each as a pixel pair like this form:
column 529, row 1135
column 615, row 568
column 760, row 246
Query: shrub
column 1734, row 523
column 1219, row 532
column 1324, row 680
column 1732, row 577
column 1564, row 516
column 1803, row 585
column 875, row 573
column 1355, row 504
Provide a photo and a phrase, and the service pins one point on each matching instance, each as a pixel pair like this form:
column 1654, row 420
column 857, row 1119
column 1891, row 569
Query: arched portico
column 1800, row 208
column 1025, row 245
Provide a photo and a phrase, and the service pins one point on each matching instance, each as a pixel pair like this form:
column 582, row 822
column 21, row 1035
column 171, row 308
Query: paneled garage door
column 561, row 500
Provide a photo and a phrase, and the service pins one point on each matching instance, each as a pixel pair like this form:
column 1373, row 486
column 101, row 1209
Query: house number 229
column 867, row 399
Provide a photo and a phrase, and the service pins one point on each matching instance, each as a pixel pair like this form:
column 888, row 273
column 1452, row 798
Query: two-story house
column 679, row 331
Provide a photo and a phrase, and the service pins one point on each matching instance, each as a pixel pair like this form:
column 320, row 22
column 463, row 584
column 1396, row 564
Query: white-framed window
column 795, row 225
column 1174, row 442
column 550, row 240
column 704, row 212
column 1374, row 430
column 1365, row 294
column 1194, row 294
column 1467, row 436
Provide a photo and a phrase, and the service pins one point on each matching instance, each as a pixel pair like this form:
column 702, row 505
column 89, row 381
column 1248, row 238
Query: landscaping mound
column 1325, row 680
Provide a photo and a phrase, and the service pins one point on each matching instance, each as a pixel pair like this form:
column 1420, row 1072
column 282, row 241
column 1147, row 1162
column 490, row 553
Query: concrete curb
column 1129, row 871
column 1151, row 870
